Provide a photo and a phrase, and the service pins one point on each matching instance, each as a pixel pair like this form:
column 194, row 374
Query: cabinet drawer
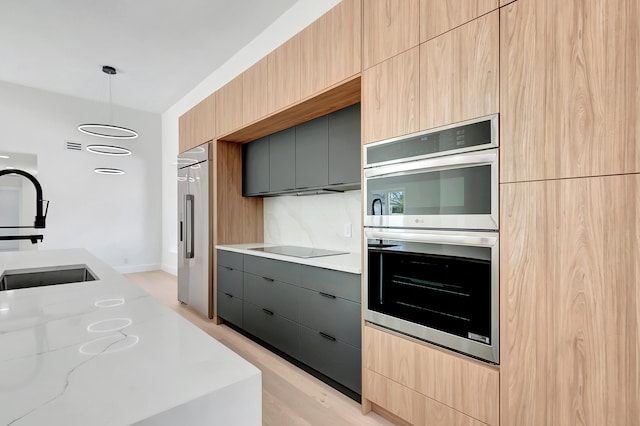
column 272, row 328
column 338, row 360
column 410, row 405
column 337, row 283
column 275, row 269
column 230, row 281
column 335, row 316
column 276, row 296
column 230, row 259
column 230, row 308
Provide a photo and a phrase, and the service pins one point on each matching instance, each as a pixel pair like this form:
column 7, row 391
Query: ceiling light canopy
column 108, row 150
column 109, row 131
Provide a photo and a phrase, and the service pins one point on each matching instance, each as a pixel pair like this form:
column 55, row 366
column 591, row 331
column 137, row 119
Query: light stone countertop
column 107, row 353
column 342, row 262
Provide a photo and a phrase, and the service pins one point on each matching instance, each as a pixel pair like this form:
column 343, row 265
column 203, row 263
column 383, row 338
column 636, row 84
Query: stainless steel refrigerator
column 193, row 228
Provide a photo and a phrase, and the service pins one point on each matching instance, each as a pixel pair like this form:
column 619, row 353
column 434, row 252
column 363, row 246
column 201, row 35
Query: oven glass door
column 444, row 287
column 448, row 192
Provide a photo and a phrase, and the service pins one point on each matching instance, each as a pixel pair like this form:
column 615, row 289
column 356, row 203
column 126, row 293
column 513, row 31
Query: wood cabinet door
column 390, row 92
column 569, row 95
column 254, row 92
column 284, row 75
column 314, row 64
column 390, row 27
column 229, row 106
column 459, row 73
column 197, row 126
column 570, row 301
column 440, row 16
column 344, row 39
column 183, row 132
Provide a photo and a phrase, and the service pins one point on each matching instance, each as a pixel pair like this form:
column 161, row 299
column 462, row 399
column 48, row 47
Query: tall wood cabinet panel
column 440, row 16
column 330, row 48
column 390, row 92
column 283, row 75
column 459, row 73
column 463, row 384
column 390, row 27
column 570, row 301
column 569, row 99
column 197, row 125
column 229, row 106
column 254, row 92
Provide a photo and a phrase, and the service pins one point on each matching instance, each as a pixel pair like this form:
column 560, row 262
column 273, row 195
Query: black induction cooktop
column 296, row 251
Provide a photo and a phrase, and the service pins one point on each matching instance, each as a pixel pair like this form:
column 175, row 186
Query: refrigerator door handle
column 190, row 232
column 181, row 224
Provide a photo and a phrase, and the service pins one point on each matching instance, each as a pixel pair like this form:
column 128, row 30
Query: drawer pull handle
column 229, row 295
column 326, row 336
column 268, row 312
column 269, row 279
column 330, row 296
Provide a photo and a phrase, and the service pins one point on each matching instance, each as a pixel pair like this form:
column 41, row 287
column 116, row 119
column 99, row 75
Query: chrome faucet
column 40, row 221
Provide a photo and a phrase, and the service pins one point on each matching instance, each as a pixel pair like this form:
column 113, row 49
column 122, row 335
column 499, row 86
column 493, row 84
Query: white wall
column 117, row 218
column 303, row 13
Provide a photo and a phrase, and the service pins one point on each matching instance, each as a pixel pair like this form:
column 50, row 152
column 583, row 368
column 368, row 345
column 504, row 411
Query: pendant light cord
column 110, row 102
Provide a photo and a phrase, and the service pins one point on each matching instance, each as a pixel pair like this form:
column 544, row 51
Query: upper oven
column 444, row 178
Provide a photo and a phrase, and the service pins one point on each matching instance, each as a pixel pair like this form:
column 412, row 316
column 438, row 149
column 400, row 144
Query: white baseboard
column 173, row 270
column 129, row 269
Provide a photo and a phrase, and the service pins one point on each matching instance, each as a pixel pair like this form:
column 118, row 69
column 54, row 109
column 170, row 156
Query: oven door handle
column 434, row 164
column 481, row 240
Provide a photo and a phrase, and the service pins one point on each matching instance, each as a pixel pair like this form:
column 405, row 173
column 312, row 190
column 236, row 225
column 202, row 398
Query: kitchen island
column 105, row 352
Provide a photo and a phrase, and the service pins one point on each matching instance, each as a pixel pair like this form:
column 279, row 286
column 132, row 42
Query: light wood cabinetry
column 390, row 27
column 467, row 386
column 330, row 48
column 255, row 92
column 459, row 73
column 412, row 406
column 390, row 97
column 283, row 75
column 229, row 106
column 440, row 16
column 197, row 125
column 570, row 302
column 569, row 99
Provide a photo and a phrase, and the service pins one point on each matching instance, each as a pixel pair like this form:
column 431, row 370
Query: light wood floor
column 290, row 396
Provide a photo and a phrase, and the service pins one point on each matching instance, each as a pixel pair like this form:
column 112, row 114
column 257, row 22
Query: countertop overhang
column 107, row 353
column 342, row 262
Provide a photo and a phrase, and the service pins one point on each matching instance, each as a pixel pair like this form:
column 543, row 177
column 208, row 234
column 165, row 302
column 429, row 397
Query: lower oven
column 438, row 286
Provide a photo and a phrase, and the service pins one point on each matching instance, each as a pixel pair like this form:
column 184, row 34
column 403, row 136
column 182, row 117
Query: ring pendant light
column 108, row 171
column 109, row 150
column 109, row 131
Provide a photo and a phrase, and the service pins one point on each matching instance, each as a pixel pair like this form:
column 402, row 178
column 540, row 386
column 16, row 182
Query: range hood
column 332, row 189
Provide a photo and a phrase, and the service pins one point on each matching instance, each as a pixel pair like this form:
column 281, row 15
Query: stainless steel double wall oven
column 431, row 235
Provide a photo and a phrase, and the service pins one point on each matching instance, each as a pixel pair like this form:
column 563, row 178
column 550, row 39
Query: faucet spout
column 40, row 217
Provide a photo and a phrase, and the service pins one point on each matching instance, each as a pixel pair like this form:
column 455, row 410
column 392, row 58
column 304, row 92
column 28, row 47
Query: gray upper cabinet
column 321, row 153
column 255, row 167
column 282, row 160
column 312, row 153
column 344, row 146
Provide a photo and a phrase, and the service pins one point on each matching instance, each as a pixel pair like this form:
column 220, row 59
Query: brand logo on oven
column 419, row 220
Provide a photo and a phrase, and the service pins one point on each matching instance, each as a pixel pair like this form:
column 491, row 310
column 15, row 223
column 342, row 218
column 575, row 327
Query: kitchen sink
column 39, row 277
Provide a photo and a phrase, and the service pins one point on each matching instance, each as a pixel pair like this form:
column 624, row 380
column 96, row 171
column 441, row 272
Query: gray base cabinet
column 311, row 314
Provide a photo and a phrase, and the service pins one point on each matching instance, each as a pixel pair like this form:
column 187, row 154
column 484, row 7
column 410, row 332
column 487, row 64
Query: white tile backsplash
column 314, row 221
